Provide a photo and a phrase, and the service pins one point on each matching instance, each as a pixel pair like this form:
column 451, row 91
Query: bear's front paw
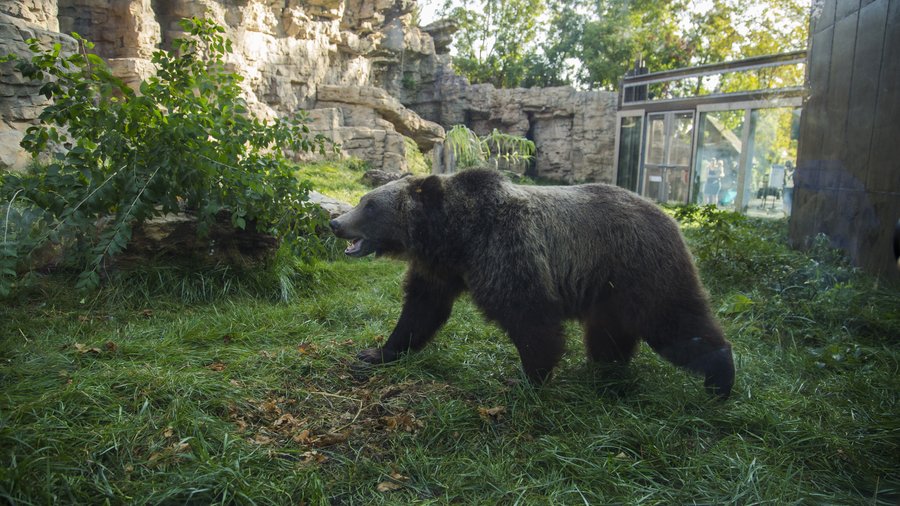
column 377, row 356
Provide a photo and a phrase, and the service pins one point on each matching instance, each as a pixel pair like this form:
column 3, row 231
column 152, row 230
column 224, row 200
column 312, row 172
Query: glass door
column 768, row 178
column 719, row 148
column 746, row 154
column 668, row 156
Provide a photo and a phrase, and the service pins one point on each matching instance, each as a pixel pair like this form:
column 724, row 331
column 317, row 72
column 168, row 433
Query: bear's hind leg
column 695, row 343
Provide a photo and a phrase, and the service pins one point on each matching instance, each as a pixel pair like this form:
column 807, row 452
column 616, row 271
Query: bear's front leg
column 427, row 303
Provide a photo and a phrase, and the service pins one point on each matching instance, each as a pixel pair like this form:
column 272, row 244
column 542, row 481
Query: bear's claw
column 376, row 356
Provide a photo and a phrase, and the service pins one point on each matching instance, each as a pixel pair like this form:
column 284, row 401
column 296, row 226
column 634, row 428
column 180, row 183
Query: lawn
column 169, row 387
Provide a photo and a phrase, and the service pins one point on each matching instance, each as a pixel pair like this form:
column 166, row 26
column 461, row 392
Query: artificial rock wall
column 362, row 68
column 285, row 49
column 574, row 131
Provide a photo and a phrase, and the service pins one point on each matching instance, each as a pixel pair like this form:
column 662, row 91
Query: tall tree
column 606, row 36
column 592, row 43
column 496, row 40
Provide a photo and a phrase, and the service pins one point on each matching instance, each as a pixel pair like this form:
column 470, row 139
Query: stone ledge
column 425, row 133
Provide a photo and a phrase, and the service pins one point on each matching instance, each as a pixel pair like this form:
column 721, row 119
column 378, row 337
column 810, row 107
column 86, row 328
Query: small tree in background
column 470, row 150
column 186, row 142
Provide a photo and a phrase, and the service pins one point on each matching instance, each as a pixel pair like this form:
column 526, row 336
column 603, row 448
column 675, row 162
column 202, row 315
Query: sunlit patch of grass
column 338, row 179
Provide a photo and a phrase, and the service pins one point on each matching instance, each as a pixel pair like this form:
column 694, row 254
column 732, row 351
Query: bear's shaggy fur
column 534, row 256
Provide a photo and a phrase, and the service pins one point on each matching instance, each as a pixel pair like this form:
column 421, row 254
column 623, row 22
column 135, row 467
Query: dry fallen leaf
column 80, row 348
column 147, row 313
column 286, row 420
column 270, row 407
column 306, row 348
column 168, row 432
column 111, row 346
column 302, row 437
column 404, row 421
column 388, row 486
column 216, row 366
column 172, row 451
column 492, row 414
column 241, row 424
column 393, row 484
column 332, row 438
column 312, row 457
column 227, row 338
column 261, row 439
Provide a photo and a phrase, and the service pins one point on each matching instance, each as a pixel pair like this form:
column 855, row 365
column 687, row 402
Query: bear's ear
column 428, row 191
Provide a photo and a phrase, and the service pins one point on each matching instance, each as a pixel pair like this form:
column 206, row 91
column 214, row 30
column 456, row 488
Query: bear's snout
column 335, row 226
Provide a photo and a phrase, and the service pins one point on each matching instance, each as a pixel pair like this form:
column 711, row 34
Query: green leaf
column 738, row 304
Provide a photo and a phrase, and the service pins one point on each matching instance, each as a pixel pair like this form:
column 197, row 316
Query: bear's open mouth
column 357, row 247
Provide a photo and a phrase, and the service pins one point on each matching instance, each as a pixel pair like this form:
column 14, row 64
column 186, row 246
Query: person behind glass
column 787, row 191
column 715, row 170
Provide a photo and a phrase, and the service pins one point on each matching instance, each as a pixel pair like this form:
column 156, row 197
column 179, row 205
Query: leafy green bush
column 186, row 142
column 730, row 247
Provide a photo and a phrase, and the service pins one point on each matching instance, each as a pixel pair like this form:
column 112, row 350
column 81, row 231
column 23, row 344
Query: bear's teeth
column 353, row 245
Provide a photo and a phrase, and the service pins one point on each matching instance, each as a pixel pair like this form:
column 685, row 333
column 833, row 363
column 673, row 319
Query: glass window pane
column 629, row 152
column 772, row 158
column 656, row 140
column 682, row 136
column 718, row 157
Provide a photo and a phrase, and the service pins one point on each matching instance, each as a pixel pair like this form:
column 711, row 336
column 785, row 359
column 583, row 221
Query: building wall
column 847, row 183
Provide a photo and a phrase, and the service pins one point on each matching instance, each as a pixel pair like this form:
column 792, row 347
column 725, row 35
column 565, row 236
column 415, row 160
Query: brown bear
column 534, row 256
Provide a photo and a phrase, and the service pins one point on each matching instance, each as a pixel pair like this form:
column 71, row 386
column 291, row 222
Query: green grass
column 339, row 179
column 208, row 391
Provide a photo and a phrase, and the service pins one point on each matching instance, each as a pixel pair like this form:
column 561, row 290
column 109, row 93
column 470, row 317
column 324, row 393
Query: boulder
column 375, row 178
column 441, row 32
column 332, row 206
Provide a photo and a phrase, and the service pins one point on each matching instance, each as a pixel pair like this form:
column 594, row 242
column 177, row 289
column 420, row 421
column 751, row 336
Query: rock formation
column 367, row 75
column 20, row 102
column 574, row 131
column 286, row 51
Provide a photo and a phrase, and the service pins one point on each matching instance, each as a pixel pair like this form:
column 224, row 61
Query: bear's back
column 593, row 234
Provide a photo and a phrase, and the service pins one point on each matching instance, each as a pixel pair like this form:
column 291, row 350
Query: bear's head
column 382, row 222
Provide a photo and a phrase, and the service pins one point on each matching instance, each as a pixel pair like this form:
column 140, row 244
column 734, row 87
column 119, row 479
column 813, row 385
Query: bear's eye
column 369, row 207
